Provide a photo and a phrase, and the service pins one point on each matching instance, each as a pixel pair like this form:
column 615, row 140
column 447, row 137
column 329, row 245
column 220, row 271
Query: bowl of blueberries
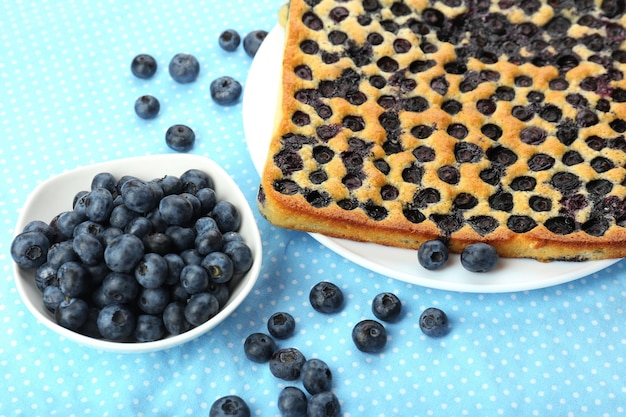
column 136, row 255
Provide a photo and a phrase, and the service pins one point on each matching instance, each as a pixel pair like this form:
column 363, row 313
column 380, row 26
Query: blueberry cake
column 463, row 120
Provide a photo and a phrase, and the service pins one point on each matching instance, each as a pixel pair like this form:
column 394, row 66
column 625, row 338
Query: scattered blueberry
column 324, row 404
column 316, row 376
column 326, row 297
column 72, row 313
column 143, row 66
column 387, row 307
column 184, row 68
column 229, row 406
column 369, row 336
column 281, row 325
column 147, row 107
column 116, row 322
column 180, row 138
column 229, row 40
column 252, row 41
column 433, row 322
column 259, row 347
column 225, row 90
column 432, row 254
column 29, row 250
column 479, row 257
column 292, row 402
column 286, row 363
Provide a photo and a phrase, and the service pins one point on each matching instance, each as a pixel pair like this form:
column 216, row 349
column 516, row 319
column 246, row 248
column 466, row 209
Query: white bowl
column 56, row 194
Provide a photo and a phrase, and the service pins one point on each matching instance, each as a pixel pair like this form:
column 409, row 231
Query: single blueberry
column 208, row 241
column 182, row 238
column 292, row 402
column 229, row 40
column 195, row 179
column 149, row 328
column 201, row 307
column 45, row 276
column 104, row 180
column 194, row 279
column 252, row 41
column 227, row 216
column 204, row 223
column 324, row 404
column 433, row 322
column 29, row 250
column 72, row 313
column 316, row 376
column 73, row 279
column 43, row 227
column 61, row 252
column 52, row 297
column 67, row 221
column 139, row 196
column 143, row 66
column 259, row 347
column 123, row 253
column 151, row 271
column 369, row 336
column 180, row 138
column 174, row 318
column 170, row 184
column 219, row 267
column 241, row 255
column 98, row 204
column 153, row 300
column 220, row 291
column 326, row 297
column 88, row 248
column 147, row 106
column 225, row 90
column 207, row 198
column 479, row 257
column 387, row 307
column 184, row 68
column 286, row 363
column 116, row 322
column 191, row 257
column 158, row 243
column 175, row 265
column 281, row 325
column 139, row 226
column 432, row 254
column 121, row 216
column 176, row 210
column 229, row 406
column 119, row 287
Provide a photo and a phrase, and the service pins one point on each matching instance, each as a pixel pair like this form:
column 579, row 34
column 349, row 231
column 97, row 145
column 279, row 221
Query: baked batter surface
column 493, row 121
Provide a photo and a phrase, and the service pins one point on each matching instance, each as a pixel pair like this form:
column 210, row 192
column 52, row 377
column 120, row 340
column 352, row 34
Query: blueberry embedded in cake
column 469, row 121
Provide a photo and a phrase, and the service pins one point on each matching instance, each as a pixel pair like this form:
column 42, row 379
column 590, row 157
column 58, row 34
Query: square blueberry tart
column 464, row 120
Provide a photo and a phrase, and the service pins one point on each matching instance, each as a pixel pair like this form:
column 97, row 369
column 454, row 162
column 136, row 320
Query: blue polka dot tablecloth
column 66, row 100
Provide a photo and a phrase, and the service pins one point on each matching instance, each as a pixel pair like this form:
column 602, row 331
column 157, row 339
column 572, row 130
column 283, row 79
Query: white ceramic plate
column 259, row 104
column 55, row 195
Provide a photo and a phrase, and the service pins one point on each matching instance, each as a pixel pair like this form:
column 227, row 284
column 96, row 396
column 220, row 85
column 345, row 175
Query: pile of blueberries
column 290, row 364
column 137, row 260
column 184, row 68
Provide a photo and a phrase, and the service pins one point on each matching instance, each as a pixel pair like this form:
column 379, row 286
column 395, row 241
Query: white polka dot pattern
column 67, row 100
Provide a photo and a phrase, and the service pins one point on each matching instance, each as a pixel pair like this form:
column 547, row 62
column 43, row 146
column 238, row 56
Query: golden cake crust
column 401, row 137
